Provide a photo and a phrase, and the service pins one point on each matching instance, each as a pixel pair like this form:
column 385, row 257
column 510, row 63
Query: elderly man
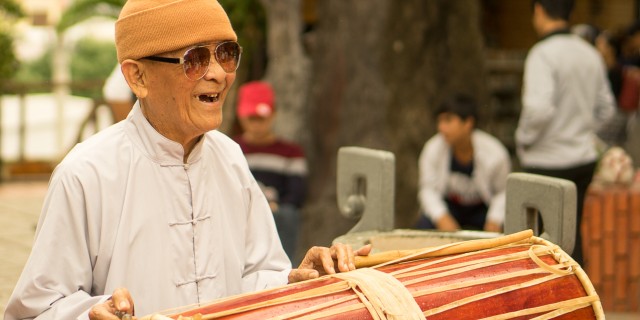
column 160, row 207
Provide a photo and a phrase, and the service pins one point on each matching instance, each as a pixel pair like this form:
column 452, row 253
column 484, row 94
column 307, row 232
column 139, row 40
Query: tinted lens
column 196, row 62
column 228, row 55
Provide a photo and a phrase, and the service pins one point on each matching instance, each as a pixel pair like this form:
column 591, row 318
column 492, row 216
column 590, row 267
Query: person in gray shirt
column 566, row 97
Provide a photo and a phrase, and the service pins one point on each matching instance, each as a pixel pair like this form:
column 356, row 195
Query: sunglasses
column 196, row 60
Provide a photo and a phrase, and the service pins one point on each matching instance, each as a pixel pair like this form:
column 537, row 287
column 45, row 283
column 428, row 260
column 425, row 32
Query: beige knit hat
column 150, row 27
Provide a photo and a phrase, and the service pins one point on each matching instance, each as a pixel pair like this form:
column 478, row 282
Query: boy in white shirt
column 463, row 172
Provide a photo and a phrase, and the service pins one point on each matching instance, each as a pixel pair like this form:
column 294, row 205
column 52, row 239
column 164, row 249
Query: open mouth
column 209, row 97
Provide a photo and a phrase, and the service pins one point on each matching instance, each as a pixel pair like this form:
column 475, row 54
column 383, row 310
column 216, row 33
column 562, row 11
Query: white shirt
column 566, row 96
column 116, row 88
column 491, row 165
column 123, row 210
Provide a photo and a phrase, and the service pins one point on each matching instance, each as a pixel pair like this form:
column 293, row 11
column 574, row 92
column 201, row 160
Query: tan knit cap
column 150, row 27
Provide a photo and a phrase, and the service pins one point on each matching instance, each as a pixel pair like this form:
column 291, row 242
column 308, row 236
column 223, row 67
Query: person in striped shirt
column 279, row 166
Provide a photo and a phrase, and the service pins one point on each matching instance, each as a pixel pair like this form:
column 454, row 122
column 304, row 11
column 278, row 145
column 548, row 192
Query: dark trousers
column 581, row 176
column 287, row 220
column 469, row 218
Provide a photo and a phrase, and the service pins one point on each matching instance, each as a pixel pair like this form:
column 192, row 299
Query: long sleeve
column 497, row 204
column 57, row 278
column 605, row 103
column 432, row 178
column 493, row 167
column 266, row 264
column 498, row 185
column 497, row 208
column 537, row 99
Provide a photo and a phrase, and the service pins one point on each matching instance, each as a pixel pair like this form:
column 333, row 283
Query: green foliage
column 36, row 71
column 8, row 62
column 9, row 10
column 81, row 10
column 247, row 17
column 92, row 60
column 244, row 13
column 91, row 63
column 250, row 23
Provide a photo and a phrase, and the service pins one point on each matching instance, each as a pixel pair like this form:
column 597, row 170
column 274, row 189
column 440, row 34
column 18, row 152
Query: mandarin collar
column 157, row 147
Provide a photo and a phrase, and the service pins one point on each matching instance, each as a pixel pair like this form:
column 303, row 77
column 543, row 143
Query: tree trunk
column 288, row 68
column 380, row 68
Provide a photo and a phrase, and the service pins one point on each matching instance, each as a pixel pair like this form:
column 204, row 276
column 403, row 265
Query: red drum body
column 530, row 279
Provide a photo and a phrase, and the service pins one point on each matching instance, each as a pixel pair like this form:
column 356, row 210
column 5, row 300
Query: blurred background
column 346, row 73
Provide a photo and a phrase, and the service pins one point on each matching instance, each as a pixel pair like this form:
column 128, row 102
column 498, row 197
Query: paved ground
column 20, row 204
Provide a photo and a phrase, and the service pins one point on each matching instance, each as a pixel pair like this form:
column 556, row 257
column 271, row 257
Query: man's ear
column 539, row 10
column 470, row 123
column 133, row 72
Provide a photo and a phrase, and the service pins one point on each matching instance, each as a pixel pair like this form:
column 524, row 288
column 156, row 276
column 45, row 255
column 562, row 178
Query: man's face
column 257, row 126
column 453, row 128
column 180, row 108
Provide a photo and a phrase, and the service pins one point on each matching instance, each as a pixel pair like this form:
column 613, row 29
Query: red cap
column 255, row 99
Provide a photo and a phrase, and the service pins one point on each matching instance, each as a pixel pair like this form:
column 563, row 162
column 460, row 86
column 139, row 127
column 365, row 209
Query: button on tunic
column 123, row 210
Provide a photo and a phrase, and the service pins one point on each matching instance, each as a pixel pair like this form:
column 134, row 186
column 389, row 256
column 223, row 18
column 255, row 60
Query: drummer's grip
column 453, row 248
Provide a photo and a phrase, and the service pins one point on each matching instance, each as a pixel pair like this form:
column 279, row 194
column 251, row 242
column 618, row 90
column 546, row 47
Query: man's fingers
column 298, row 275
column 344, row 256
column 326, row 259
column 122, row 301
column 339, row 258
column 103, row 311
column 364, row 251
column 350, row 262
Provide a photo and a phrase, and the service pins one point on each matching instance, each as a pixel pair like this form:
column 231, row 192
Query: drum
column 518, row 276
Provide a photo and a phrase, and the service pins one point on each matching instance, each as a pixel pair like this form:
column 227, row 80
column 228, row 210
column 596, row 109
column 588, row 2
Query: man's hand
column 492, row 227
column 322, row 260
column 120, row 302
column 447, row 223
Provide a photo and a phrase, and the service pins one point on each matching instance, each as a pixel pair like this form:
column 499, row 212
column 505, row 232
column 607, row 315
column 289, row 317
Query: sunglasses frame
column 181, row 60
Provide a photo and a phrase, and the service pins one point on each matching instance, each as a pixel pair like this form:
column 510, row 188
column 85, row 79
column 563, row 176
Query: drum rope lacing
column 384, row 296
column 554, row 251
column 377, row 292
column 556, row 271
column 564, row 267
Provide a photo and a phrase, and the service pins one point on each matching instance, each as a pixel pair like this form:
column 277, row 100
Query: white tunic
column 123, row 210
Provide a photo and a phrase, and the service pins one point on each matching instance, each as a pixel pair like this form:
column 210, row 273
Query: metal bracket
column 553, row 199
column 366, row 187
